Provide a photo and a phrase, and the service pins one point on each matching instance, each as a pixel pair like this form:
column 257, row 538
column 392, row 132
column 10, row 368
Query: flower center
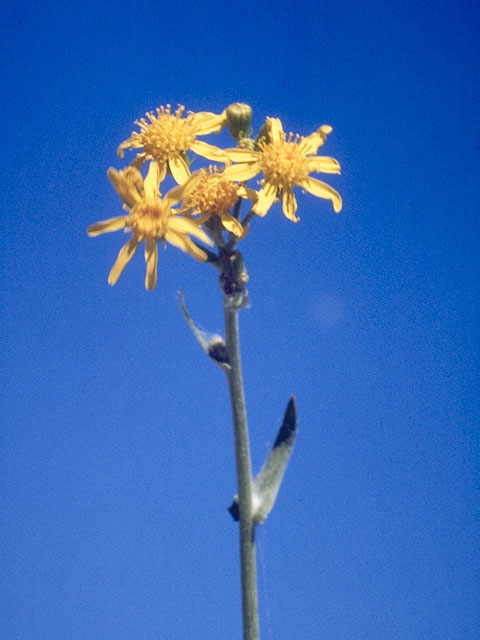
column 166, row 135
column 283, row 163
column 214, row 195
column 149, row 219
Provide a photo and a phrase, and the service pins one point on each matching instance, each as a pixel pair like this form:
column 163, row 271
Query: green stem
column 244, row 475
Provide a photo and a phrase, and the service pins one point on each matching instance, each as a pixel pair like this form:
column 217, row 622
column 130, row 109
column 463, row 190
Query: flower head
column 150, row 218
column 285, row 162
column 215, row 195
column 167, row 136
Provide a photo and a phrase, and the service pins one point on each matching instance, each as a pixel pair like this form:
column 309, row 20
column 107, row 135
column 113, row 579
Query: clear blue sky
column 116, row 445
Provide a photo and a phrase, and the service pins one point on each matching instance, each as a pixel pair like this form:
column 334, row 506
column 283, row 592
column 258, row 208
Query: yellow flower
column 215, row 195
column 150, row 218
column 167, row 138
column 285, row 163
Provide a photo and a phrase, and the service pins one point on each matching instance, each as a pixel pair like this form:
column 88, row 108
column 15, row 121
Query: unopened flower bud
column 239, row 118
column 247, row 143
column 233, row 274
column 263, row 134
column 217, row 350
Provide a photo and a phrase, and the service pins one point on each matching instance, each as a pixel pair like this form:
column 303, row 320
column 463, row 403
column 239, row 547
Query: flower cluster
column 206, row 204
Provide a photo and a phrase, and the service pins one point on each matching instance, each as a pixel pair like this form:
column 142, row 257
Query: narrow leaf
column 215, row 347
column 267, row 483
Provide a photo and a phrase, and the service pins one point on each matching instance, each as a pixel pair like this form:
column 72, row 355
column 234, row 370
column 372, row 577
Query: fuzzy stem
column 244, row 476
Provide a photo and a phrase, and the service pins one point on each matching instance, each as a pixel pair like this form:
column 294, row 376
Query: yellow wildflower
column 285, row 163
column 215, row 195
column 167, row 138
column 150, row 218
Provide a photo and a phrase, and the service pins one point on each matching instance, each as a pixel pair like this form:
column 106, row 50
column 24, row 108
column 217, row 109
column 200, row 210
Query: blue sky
column 117, row 450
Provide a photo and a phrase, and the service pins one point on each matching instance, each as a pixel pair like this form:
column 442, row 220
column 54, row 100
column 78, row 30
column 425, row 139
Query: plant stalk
column 244, row 476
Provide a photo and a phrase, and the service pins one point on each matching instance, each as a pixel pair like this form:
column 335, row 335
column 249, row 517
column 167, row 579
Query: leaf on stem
column 215, row 347
column 267, row 483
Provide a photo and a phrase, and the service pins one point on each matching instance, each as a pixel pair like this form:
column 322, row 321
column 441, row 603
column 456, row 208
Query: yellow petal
column 106, row 226
column 185, row 226
column 241, row 172
column 152, row 181
column 185, row 244
column 179, row 169
column 231, row 224
column 276, row 133
column 151, row 258
column 124, row 186
column 311, row 143
column 125, row 145
column 161, row 177
column 182, row 191
column 265, row 198
column 289, row 205
column 125, row 254
column 322, row 190
column 242, row 155
column 206, row 122
column 323, row 164
column 247, row 193
column 208, row 151
column 139, row 161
